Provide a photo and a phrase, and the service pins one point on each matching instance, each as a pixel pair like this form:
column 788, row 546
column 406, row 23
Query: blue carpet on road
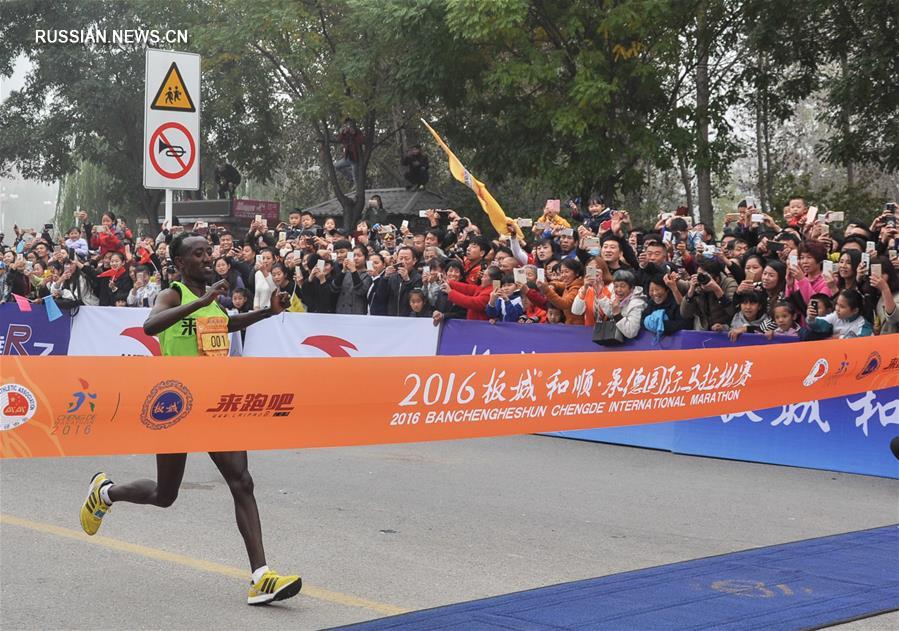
column 802, row 585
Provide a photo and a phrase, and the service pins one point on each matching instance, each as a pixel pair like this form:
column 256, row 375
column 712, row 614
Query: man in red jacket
column 473, row 298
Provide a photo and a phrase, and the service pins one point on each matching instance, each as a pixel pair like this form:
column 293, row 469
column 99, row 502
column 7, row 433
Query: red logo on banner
column 17, row 405
column 330, row 345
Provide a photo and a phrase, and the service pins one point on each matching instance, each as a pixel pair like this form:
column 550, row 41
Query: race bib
column 212, row 336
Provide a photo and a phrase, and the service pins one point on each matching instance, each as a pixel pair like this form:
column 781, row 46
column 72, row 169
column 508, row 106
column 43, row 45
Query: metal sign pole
column 168, row 208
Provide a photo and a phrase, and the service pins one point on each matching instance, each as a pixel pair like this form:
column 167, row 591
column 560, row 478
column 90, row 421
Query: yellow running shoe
column 272, row 587
column 94, row 508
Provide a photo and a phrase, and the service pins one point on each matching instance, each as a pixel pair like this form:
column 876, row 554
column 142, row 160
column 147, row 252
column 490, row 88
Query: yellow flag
column 494, row 211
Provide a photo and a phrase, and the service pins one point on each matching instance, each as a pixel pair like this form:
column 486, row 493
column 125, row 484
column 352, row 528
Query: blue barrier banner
column 850, row 434
column 474, row 337
column 31, row 332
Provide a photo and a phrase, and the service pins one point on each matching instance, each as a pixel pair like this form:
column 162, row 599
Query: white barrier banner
column 327, row 335
column 118, row 331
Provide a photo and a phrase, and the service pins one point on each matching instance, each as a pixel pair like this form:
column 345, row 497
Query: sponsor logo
column 17, row 406
column 893, row 365
column 843, row 369
column 18, row 341
column 330, row 345
column 149, row 342
column 871, row 365
column 167, row 404
column 818, row 372
column 253, row 404
column 80, row 413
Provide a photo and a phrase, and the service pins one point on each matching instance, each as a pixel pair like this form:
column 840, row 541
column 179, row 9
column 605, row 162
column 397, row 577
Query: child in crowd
column 505, row 302
column 240, row 298
column 419, row 305
column 554, row 315
column 533, row 314
column 845, row 322
column 76, row 243
column 752, row 316
column 784, row 323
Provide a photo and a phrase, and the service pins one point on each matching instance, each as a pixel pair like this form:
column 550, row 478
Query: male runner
column 185, row 301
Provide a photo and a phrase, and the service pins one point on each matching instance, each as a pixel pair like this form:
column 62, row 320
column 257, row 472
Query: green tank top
column 180, row 340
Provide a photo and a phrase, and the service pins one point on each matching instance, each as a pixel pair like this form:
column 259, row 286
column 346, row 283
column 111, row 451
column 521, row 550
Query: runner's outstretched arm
column 243, row 320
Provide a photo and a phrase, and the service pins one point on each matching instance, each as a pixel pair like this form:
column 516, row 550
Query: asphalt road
column 379, row 530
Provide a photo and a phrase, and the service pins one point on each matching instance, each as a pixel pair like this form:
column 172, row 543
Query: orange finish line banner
column 78, row 406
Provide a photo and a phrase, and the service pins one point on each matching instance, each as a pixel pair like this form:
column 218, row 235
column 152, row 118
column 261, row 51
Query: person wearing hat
column 626, row 304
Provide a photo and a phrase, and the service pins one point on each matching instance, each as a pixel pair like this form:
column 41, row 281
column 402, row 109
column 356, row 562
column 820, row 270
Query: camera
column 464, row 223
column 890, row 206
column 48, row 226
column 703, row 279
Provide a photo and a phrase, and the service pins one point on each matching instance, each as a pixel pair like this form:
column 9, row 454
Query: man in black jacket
column 402, row 277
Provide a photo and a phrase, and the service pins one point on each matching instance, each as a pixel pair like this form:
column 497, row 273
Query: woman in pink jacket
column 806, row 277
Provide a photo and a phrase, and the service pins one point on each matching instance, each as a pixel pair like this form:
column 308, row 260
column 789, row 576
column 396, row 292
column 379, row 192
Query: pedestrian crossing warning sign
column 172, row 94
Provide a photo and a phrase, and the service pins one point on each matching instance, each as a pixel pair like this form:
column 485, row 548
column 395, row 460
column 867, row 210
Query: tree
column 84, row 103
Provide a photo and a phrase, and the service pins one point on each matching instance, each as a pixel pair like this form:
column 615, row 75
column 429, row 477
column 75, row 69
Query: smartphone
column 827, row 266
column 408, row 239
column 775, row 246
column 876, row 269
column 793, row 259
column 423, row 213
column 732, row 217
column 216, row 251
column 757, row 218
column 282, row 236
column 425, row 270
column 870, row 246
column 320, row 265
column 813, row 307
column 566, row 232
column 591, row 272
column 369, row 266
column 541, row 274
column 891, row 254
column 591, row 242
column 525, row 223
column 404, row 225
column 751, row 202
column 866, row 259
column 709, row 249
column 258, row 259
column 812, row 213
column 834, row 216
column 520, row 275
column 258, row 218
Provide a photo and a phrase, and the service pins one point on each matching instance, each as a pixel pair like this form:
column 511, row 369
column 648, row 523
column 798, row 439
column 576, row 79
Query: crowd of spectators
column 806, row 274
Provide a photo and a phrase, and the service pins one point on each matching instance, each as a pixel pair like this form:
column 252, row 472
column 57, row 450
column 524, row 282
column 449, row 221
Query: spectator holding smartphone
column 886, row 284
column 505, row 303
column 562, row 292
column 845, row 322
column 401, row 279
column 473, row 298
